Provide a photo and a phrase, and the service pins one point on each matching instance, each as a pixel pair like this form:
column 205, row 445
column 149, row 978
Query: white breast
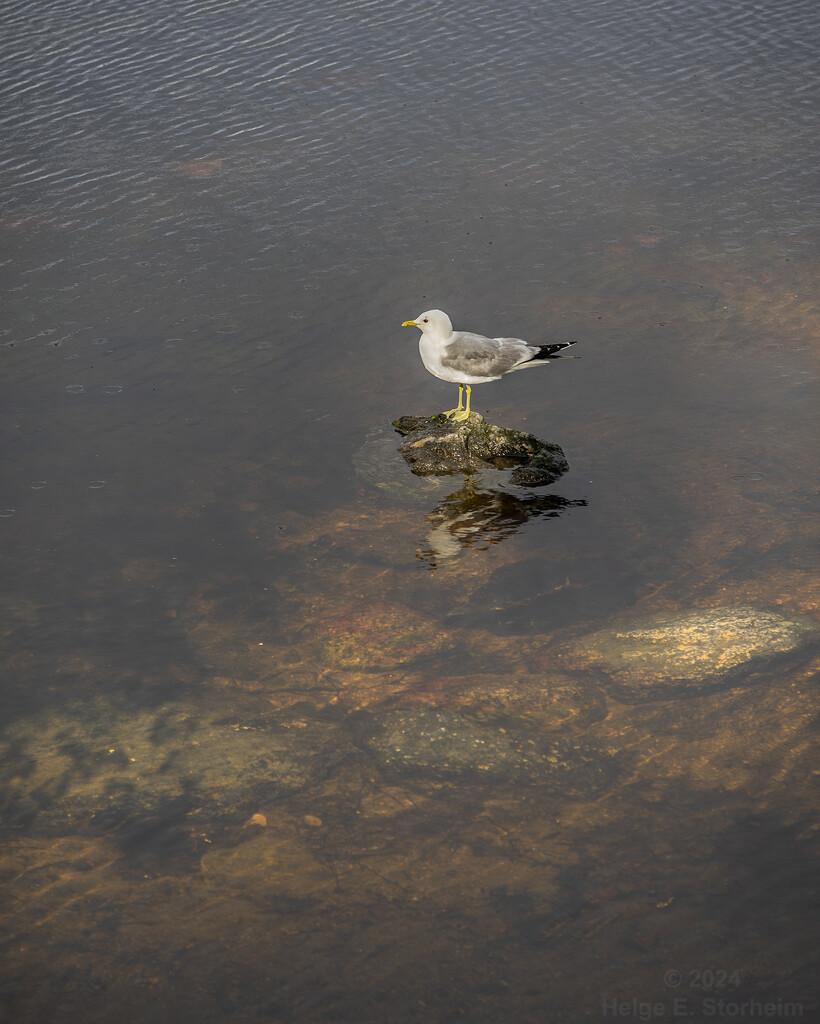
column 430, row 352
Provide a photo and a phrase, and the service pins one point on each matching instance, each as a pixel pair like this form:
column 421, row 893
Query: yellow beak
column 409, row 323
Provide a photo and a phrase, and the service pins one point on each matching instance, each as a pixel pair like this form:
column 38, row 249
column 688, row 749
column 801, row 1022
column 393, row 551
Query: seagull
column 464, row 358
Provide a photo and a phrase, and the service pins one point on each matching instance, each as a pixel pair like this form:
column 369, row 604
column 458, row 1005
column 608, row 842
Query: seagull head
column 434, row 321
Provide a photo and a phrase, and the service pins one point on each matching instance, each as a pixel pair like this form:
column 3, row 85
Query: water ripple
column 308, row 122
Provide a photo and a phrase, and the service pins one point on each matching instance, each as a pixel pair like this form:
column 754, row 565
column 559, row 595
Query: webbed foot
column 459, row 415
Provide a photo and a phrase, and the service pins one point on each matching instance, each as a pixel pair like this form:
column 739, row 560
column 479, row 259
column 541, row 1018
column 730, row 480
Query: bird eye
column 426, row 320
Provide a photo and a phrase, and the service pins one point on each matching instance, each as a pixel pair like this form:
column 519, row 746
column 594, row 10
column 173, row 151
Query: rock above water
column 440, row 445
column 693, row 649
column 447, row 744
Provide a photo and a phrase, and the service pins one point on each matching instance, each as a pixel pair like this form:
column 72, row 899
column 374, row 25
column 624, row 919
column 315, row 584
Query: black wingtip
column 552, row 351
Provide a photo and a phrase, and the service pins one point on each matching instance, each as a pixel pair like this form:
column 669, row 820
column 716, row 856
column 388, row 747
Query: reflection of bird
column 471, row 516
column 466, row 359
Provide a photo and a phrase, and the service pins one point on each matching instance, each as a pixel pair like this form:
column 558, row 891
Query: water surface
column 217, row 597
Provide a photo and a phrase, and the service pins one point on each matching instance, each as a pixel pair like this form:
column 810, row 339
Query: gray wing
column 484, row 357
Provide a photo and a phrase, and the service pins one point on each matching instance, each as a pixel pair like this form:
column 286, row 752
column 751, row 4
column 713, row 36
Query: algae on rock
column 439, row 445
column 448, row 744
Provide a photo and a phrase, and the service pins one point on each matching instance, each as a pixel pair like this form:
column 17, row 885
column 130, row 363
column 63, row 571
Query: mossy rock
column 437, row 445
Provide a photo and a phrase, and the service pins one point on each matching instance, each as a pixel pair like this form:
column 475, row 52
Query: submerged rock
column 377, row 637
column 520, row 703
column 691, row 649
column 280, row 863
column 539, row 595
column 436, row 445
column 92, row 766
column 379, row 464
column 447, row 744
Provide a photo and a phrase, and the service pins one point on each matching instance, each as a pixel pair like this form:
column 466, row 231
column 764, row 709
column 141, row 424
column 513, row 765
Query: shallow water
column 290, row 734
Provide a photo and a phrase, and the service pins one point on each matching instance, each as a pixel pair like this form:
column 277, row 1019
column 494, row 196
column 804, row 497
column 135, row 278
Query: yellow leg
column 462, row 414
column 455, row 412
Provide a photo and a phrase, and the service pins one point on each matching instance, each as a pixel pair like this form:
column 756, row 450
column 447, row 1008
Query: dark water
column 227, row 604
